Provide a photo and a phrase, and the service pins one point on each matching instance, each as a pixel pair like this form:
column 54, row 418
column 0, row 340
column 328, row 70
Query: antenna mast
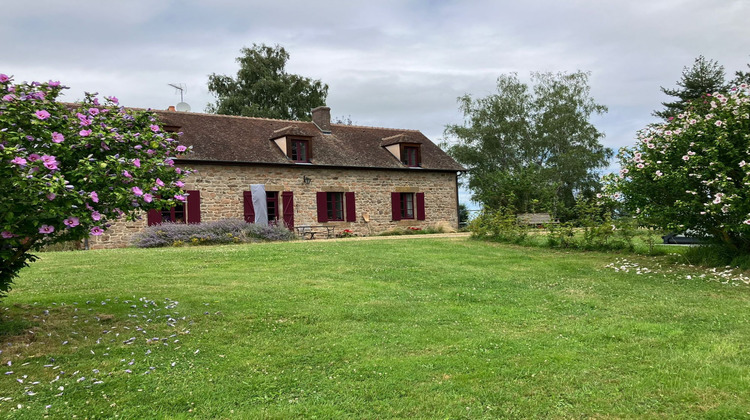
column 182, row 106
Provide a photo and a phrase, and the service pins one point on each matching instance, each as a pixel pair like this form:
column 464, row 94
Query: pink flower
column 96, row 231
column 19, row 161
column 112, row 99
column 94, row 196
column 7, row 235
column 160, row 183
column 137, row 191
column 46, row 229
column 747, row 222
column 154, row 128
column 34, row 157
column 179, row 197
column 181, row 148
column 718, row 123
column 148, row 197
column 96, row 215
column 169, row 162
column 84, row 133
column 4, row 78
column 53, row 83
column 51, row 196
column 93, row 111
column 57, row 137
column 9, row 97
column 137, row 163
column 48, row 158
column 126, row 174
column 42, row 114
column 71, row 222
column 52, row 166
column 179, row 184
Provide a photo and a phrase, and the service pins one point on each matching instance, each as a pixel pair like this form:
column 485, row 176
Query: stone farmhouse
column 364, row 179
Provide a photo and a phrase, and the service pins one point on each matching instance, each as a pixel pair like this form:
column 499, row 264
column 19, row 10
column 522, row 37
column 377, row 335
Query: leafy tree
column 692, row 173
column 463, row 215
column 741, row 77
column 263, row 88
column 705, row 76
column 67, row 171
column 531, row 149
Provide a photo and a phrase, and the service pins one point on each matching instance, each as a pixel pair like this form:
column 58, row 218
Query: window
column 299, row 150
column 175, row 215
column 272, row 205
column 189, row 212
column 410, row 156
column 335, row 206
column 407, row 205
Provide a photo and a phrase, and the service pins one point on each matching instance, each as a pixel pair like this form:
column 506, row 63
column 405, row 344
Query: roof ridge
column 379, row 128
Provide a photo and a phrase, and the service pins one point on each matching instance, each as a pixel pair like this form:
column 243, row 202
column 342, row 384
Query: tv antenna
column 182, row 106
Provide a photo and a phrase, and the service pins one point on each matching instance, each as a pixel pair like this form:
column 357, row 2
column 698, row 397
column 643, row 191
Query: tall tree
column 705, row 76
column 741, row 77
column 263, row 88
column 531, row 149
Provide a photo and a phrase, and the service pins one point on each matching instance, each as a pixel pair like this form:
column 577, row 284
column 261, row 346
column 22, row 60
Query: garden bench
column 309, row 232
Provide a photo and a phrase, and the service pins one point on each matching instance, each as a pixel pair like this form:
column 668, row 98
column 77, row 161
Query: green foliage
column 413, row 230
column 263, row 88
column 705, row 76
column 68, row 171
column 692, row 173
column 532, row 149
column 463, row 215
column 498, row 225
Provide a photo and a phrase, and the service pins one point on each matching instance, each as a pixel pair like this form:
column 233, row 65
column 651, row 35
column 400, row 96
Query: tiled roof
column 223, row 138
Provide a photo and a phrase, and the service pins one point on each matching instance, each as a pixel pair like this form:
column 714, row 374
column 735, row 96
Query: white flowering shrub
column 693, row 172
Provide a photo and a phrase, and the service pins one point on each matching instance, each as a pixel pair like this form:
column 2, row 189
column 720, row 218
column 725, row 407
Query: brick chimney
column 171, row 108
column 321, row 116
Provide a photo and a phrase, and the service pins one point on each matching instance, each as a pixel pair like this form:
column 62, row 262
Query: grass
column 427, row 328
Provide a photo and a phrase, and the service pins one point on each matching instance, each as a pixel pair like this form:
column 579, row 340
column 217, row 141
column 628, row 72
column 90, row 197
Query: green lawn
column 394, row 328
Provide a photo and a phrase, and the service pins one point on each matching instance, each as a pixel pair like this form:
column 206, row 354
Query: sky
column 396, row 64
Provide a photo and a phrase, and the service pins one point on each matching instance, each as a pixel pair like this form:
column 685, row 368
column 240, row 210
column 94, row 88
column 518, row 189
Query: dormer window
column 410, row 156
column 299, row 150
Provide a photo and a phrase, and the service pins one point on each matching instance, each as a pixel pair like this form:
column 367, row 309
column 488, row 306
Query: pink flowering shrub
column 693, row 172
column 68, row 170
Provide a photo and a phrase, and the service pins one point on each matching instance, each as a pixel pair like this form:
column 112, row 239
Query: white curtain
column 259, row 204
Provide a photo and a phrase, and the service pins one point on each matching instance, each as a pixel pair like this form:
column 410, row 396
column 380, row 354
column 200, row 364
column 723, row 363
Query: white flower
column 686, row 158
column 742, row 164
column 659, row 173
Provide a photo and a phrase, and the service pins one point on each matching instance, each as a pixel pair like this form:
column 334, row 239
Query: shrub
column 68, row 171
column 412, row 230
column 692, row 172
column 501, row 225
column 220, row 232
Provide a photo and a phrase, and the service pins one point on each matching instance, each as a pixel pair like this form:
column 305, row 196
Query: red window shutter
column 154, row 217
column 396, row 205
column 351, row 210
column 287, row 202
column 420, row 206
column 322, row 207
column 247, row 203
column 194, row 207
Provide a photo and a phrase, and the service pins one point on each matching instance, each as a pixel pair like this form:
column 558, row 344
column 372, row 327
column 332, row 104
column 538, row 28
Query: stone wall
column 221, row 188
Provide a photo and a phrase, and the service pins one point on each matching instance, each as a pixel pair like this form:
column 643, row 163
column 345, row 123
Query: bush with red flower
column 68, row 170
